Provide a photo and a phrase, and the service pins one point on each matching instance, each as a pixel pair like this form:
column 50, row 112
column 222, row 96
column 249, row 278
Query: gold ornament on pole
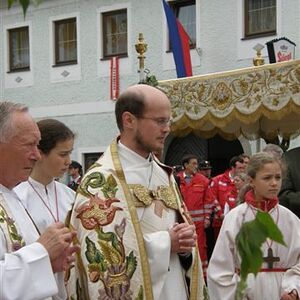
column 258, row 60
column 141, row 48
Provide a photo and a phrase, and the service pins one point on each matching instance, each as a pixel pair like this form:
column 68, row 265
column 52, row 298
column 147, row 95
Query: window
column 260, row 17
column 185, row 12
column 65, row 42
column 90, row 159
column 19, row 49
column 114, row 40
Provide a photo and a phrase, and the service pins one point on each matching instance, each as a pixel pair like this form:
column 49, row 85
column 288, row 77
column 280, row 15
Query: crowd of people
column 132, row 227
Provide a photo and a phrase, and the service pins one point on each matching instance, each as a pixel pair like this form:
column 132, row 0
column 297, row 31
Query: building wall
column 81, row 99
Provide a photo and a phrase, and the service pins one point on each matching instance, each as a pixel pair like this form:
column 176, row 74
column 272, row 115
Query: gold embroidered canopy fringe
column 252, row 102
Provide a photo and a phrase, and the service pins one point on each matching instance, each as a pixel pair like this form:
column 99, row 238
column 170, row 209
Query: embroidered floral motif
column 144, row 196
column 221, row 96
column 15, row 238
column 110, row 264
column 98, row 212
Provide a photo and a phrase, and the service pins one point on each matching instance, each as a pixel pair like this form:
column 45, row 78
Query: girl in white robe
column 46, row 200
column 264, row 173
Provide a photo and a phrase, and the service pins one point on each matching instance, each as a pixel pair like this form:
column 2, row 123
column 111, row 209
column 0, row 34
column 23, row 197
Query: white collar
column 40, row 185
column 132, row 155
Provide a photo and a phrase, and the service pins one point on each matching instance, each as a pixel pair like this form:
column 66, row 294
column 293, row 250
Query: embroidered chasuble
column 21, row 267
column 123, row 209
column 273, row 278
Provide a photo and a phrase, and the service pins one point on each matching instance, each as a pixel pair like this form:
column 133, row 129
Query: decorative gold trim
column 234, row 72
column 144, row 197
column 254, row 102
column 195, row 280
column 194, row 284
column 135, row 221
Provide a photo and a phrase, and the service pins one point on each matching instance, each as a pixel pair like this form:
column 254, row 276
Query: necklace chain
column 45, row 204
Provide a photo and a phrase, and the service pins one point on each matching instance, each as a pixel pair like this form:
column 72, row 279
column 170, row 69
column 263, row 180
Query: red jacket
column 194, row 196
column 221, row 190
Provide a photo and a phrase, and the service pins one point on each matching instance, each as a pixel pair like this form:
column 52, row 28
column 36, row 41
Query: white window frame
column 245, row 46
column 125, row 63
column 63, row 73
column 18, row 78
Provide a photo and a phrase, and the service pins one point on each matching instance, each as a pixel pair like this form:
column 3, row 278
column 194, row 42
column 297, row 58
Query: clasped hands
column 183, row 238
column 57, row 240
column 293, row 295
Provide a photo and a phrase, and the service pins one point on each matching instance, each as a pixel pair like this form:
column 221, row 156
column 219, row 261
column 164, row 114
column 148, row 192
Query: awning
column 254, row 102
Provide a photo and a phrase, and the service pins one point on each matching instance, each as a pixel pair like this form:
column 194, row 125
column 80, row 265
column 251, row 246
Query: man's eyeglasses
column 161, row 122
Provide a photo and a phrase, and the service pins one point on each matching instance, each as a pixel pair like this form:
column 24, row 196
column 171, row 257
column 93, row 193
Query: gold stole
column 195, row 292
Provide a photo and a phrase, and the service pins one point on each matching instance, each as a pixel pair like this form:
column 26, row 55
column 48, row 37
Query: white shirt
column 221, row 276
column 47, row 205
column 25, row 274
column 168, row 282
column 44, row 202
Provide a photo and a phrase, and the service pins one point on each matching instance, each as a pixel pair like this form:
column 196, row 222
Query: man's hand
column 65, row 260
column 183, row 238
column 293, row 295
column 56, row 239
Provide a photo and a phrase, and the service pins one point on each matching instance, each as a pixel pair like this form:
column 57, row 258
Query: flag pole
column 141, row 48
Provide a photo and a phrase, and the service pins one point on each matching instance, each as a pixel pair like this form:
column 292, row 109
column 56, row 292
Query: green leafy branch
column 24, row 3
column 249, row 240
column 150, row 79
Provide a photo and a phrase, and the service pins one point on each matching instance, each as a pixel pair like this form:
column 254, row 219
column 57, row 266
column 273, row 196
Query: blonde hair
column 258, row 160
column 256, row 163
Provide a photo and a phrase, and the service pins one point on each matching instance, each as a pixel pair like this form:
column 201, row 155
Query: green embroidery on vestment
column 97, row 180
column 140, row 295
column 93, row 180
column 205, row 293
column 15, row 238
column 109, row 263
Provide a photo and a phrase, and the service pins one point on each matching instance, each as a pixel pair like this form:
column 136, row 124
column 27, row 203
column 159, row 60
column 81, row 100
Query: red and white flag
column 114, row 78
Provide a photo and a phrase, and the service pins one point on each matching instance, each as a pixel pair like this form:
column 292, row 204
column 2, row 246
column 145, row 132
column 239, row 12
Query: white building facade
column 56, row 60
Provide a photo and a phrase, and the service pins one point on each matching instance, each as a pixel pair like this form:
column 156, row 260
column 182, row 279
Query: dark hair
column 76, row 165
column 131, row 101
column 204, row 165
column 52, row 132
column 234, row 160
column 187, row 157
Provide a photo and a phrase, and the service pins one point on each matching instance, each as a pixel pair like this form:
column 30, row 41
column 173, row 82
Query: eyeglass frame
column 161, row 122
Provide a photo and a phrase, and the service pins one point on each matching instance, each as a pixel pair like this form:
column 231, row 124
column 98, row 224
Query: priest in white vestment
column 137, row 240
column 28, row 260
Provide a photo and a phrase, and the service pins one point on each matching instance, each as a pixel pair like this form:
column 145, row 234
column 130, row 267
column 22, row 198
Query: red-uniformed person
column 193, row 186
column 222, row 191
